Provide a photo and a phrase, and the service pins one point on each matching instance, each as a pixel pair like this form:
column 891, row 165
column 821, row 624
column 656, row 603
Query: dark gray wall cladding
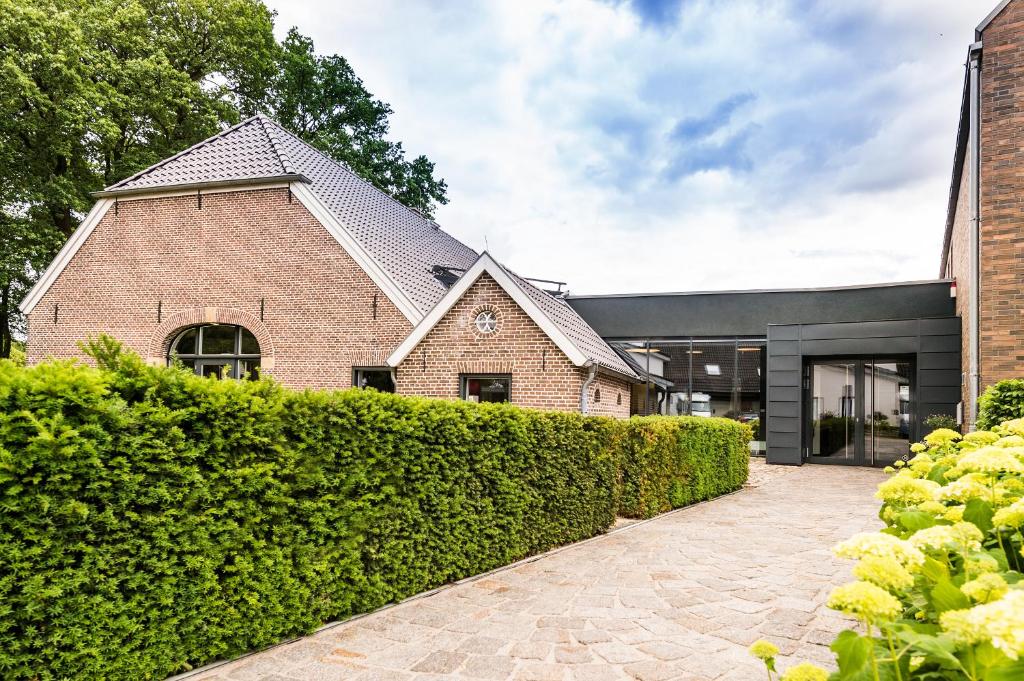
column 933, row 343
column 748, row 313
column 783, row 410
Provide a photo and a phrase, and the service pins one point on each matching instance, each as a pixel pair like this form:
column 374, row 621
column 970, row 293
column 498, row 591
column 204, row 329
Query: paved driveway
column 680, row 597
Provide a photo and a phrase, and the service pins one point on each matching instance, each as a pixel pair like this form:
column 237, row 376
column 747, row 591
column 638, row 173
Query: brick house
column 253, row 252
column 983, row 248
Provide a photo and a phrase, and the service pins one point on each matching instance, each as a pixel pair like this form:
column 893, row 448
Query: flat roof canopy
column 748, row 313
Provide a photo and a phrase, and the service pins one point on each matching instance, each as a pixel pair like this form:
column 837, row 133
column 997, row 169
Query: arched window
column 221, row 350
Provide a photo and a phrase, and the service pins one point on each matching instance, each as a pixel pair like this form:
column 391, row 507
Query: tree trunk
column 5, row 322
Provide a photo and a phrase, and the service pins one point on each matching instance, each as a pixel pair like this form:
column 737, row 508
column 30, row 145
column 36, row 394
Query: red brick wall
column 614, row 397
column 542, row 376
column 215, row 264
column 1002, row 197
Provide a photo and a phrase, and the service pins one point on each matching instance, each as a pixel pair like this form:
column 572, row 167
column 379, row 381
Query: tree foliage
column 321, row 100
column 92, row 91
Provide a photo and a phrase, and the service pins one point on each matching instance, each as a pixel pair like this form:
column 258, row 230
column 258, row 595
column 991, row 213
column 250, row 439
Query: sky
column 649, row 145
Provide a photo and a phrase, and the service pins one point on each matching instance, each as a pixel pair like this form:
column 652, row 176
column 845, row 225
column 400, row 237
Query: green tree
column 321, row 100
column 92, row 91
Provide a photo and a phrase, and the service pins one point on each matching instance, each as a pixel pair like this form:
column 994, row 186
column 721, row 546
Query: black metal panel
column 785, row 378
column 938, row 360
column 945, row 326
column 786, row 410
column 889, row 329
column 940, row 377
column 939, row 394
column 785, row 440
column 940, row 343
column 933, row 343
column 785, row 456
column 901, row 345
column 749, row 313
column 785, row 347
column 784, row 425
column 781, row 394
column 784, row 363
column 783, row 333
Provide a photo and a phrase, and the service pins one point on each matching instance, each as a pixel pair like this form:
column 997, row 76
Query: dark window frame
column 464, row 380
column 358, row 370
column 232, row 359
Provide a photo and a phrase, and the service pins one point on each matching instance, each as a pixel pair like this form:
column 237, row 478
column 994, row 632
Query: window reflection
column 700, row 377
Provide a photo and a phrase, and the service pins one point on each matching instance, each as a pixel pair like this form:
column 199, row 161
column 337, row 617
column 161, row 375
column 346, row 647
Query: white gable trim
column 341, row 234
column 99, row 209
column 485, row 263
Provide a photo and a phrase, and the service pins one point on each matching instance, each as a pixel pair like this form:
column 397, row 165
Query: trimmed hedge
column 1001, row 401
column 152, row 520
column 670, row 461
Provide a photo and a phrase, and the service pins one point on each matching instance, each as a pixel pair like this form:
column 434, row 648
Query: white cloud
column 551, row 122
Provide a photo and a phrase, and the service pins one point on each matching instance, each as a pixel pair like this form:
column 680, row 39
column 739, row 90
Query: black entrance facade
column 858, row 411
column 888, row 354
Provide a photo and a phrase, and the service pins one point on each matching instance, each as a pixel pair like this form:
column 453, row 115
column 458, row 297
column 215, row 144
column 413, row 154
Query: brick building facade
column 254, row 230
column 986, row 200
column 541, row 374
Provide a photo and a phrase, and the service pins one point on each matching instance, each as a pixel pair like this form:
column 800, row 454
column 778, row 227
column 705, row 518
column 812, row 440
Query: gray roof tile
column 573, row 326
column 403, row 242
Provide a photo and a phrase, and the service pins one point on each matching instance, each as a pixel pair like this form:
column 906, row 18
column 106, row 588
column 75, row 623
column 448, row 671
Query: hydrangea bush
column 939, row 590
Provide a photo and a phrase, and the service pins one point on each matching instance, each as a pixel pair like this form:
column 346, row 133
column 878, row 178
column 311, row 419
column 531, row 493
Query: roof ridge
column 282, row 156
column 183, row 152
column 347, row 168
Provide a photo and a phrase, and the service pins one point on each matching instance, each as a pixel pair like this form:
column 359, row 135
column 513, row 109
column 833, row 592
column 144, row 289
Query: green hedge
column 671, row 461
column 153, row 520
column 1002, row 401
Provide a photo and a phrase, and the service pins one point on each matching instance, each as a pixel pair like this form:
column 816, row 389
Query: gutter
column 974, row 303
column 587, row 382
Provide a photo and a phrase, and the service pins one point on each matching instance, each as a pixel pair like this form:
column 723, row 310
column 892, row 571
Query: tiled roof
column 404, row 243
column 573, row 326
column 243, row 152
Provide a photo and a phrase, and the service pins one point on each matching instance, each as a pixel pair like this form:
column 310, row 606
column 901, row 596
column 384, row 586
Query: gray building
column 842, row 375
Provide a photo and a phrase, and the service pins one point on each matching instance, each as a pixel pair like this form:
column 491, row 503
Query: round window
column 486, row 321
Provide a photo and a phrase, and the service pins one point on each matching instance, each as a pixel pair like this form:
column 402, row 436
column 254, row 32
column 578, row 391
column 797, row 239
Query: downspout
column 587, row 382
column 974, row 302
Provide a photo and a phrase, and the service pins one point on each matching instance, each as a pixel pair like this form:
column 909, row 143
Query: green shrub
column 671, row 461
column 153, row 520
column 936, row 421
column 1002, row 401
column 18, row 353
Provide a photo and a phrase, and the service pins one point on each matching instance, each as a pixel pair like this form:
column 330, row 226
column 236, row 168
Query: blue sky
column 648, row 145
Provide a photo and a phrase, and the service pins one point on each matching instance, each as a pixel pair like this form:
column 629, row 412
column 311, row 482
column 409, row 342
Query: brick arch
column 160, row 341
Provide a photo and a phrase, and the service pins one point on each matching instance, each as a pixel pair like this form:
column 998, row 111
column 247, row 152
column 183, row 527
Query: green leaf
column 938, row 474
column 916, row 520
column 1011, row 671
column 934, row 570
column 945, row 596
column 940, row 649
column 979, row 512
column 853, row 654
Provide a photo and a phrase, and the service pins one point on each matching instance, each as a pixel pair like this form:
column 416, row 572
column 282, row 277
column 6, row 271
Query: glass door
column 833, row 402
column 887, row 411
column 858, row 411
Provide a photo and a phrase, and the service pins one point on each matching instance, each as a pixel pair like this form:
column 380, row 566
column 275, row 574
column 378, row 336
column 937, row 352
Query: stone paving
column 680, row 597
